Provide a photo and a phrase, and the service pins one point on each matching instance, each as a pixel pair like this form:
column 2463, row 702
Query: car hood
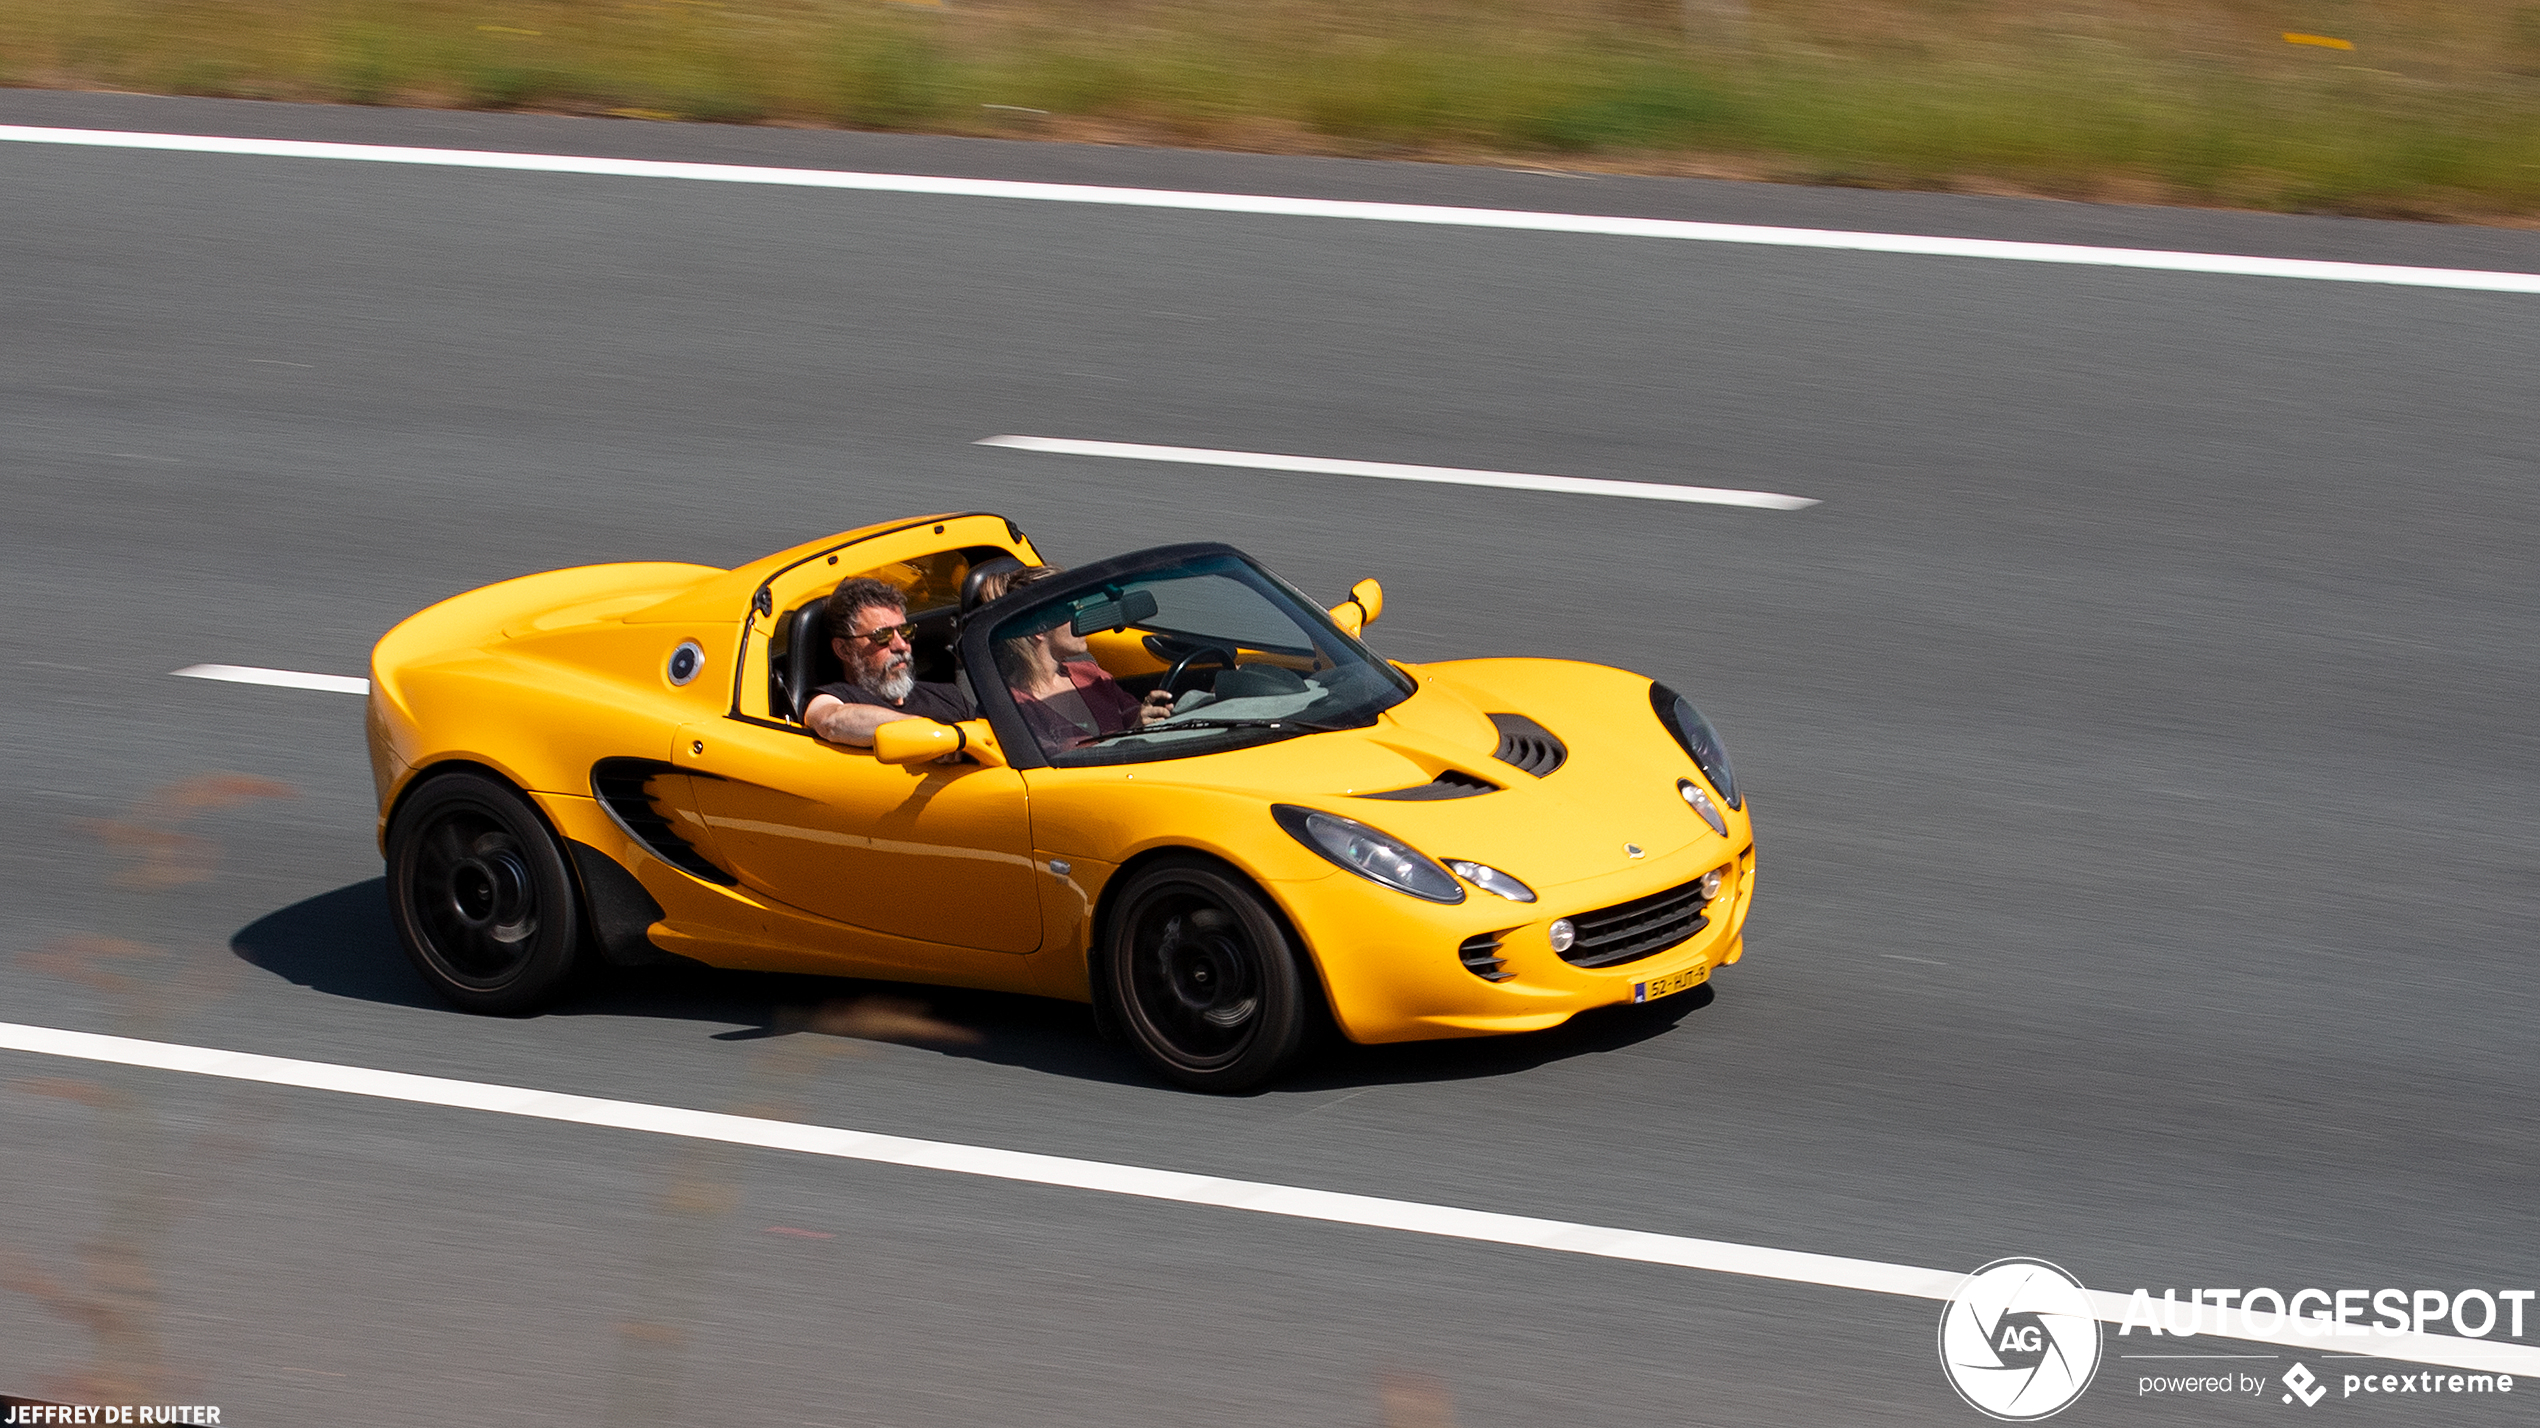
column 1613, row 791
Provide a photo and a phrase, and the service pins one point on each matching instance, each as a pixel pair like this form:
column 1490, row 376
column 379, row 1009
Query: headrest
column 980, row 575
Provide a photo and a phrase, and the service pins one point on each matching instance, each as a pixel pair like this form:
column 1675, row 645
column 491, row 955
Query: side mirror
column 918, row 741
column 1366, row 601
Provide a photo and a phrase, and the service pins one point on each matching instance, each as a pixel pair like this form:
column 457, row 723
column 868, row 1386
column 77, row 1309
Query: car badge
column 1633, row 849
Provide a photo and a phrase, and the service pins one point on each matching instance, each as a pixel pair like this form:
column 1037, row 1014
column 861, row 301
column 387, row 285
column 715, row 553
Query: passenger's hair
column 1012, row 663
column 860, row 593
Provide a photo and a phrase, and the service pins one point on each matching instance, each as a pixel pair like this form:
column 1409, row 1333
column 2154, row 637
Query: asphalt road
column 2140, row 733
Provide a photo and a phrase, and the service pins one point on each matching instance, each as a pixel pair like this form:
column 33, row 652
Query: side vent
column 1528, row 745
column 1453, row 783
column 621, row 786
column 1480, row 956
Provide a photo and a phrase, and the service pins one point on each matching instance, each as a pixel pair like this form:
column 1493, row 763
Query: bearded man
column 868, row 627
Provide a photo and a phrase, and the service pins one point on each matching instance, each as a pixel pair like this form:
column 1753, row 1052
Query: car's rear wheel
column 484, row 903
column 1200, row 974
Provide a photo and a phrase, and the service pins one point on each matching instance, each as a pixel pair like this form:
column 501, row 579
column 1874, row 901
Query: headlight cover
column 1698, row 738
column 1375, row 856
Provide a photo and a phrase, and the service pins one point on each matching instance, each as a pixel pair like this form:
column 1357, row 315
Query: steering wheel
column 1173, row 677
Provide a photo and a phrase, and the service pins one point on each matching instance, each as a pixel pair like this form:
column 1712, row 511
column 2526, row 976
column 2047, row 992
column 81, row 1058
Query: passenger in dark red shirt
column 1064, row 696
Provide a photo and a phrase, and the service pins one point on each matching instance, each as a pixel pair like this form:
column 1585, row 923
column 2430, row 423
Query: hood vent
column 1453, row 783
column 1528, row 745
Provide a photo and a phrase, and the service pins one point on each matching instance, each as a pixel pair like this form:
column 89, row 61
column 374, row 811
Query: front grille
column 1528, row 745
column 1480, row 956
column 1632, row 930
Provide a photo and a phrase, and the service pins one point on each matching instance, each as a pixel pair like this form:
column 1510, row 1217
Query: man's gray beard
column 893, row 687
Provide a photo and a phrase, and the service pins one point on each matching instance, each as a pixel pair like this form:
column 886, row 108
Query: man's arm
column 840, row 722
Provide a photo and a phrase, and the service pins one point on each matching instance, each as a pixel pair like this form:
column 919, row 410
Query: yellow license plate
column 1672, row 983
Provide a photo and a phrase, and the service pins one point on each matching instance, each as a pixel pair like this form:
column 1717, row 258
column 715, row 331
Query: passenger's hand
column 1158, row 705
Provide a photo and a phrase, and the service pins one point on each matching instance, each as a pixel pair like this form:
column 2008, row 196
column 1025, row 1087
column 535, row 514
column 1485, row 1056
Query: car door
column 937, row 853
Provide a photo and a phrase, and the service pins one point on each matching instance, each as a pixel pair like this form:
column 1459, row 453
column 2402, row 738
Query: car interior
column 943, row 589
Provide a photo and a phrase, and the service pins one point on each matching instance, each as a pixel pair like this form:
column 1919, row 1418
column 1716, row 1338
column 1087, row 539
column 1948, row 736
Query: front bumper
column 1391, row 966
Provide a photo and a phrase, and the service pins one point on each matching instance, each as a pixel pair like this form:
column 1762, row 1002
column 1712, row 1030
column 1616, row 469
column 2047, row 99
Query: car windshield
column 1193, row 657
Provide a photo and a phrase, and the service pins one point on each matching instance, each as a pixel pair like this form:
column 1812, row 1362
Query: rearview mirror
column 1134, row 607
column 1366, row 601
column 917, row 741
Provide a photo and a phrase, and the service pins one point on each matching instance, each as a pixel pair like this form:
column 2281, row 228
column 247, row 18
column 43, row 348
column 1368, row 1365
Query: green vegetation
column 2435, row 111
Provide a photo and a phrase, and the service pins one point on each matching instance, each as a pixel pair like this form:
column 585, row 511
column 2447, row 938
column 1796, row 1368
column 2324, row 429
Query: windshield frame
column 996, row 704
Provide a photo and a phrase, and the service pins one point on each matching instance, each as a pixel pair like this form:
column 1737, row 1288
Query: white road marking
column 1395, row 471
column 1294, row 1202
column 2228, row 264
column 279, row 678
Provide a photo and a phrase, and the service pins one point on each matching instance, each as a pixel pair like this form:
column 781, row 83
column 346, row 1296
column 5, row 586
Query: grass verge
column 2434, row 111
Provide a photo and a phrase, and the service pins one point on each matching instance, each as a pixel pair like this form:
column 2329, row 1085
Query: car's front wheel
column 484, row 903
column 1200, row 974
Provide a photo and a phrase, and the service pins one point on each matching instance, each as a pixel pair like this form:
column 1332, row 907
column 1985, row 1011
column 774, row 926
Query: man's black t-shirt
column 943, row 703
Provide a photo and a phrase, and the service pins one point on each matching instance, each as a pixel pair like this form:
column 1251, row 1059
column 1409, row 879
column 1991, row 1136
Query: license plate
column 1672, row 983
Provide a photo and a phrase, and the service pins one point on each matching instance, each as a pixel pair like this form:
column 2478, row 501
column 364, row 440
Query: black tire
column 485, row 905
column 1199, row 974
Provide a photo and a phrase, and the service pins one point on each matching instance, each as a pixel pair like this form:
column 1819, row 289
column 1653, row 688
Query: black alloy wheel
column 485, row 906
column 1201, row 975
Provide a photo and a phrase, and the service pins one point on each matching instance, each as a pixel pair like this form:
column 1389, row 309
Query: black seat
column 809, row 661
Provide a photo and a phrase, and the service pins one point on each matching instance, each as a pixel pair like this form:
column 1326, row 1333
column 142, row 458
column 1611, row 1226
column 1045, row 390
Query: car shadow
column 341, row 943
column 344, row 944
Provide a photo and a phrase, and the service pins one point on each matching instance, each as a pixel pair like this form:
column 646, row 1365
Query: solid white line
column 1291, row 1201
column 2230, row 264
column 1395, row 471
column 279, row 678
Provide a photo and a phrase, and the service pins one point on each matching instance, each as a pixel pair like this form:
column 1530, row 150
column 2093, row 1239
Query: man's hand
column 1157, row 705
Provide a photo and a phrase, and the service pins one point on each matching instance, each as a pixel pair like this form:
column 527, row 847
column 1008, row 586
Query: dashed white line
column 279, row 678
column 1397, row 471
column 1290, row 1201
column 2156, row 260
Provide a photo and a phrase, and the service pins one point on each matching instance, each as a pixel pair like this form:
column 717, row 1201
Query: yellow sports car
column 1166, row 783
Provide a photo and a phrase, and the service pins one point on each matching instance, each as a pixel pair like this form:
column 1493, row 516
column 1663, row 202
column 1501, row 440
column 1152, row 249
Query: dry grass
column 2434, row 112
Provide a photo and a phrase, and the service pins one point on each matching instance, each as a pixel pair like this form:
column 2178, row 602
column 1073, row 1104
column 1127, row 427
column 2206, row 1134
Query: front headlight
column 1377, row 857
column 1490, row 879
column 1699, row 739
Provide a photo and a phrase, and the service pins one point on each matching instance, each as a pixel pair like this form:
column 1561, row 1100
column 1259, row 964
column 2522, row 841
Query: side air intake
column 622, row 787
column 1480, row 955
column 1528, row 745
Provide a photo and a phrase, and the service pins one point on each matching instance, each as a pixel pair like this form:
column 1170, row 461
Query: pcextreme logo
column 2019, row 1340
column 2305, row 1385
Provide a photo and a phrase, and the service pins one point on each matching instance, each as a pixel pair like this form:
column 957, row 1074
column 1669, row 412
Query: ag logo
column 2019, row 1340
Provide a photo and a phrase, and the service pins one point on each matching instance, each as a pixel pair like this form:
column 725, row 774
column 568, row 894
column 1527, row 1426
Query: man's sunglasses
column 881, row 638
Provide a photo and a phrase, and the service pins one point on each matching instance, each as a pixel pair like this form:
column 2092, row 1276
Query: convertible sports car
column 610, row 762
